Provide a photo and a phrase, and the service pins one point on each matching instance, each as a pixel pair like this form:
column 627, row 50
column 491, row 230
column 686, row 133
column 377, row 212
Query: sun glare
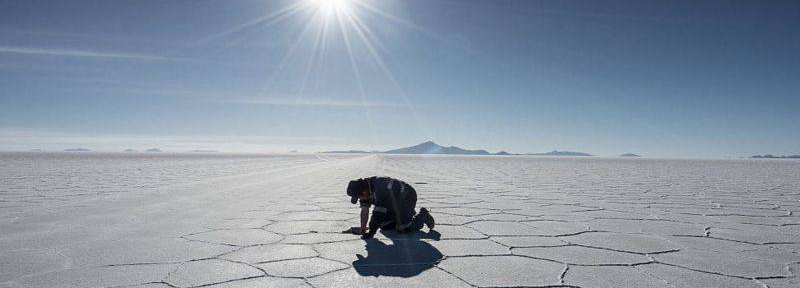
column 320, row 24
column 331, row 7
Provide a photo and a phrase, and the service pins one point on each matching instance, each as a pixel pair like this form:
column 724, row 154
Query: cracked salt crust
column 516, row 221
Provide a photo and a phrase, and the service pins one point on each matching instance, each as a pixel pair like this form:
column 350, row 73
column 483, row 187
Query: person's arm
column 364, row 219
column 378, row 214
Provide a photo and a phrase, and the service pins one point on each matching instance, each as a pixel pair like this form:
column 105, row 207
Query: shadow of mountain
column 406, row 256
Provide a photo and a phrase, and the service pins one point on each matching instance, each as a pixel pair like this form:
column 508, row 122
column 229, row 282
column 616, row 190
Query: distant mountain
column 432, row 148
column 202, row 151
column 36, row 150
column 768, row 156
column 77, row 150
column 129, row 150
column 630, row 155
column 349, row 152
column 561, row 153
column 153, row 150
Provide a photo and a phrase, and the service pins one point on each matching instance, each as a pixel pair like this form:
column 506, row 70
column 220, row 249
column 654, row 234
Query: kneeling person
column 394, row 202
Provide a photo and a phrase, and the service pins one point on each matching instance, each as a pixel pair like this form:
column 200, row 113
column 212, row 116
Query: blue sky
column 659, row 78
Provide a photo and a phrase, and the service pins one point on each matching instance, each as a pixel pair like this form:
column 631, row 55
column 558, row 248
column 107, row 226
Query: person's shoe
column 428, row 218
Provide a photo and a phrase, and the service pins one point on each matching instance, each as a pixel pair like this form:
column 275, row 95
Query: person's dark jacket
column 394, row 201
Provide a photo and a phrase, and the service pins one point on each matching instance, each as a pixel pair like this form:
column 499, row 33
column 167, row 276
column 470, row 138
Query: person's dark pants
column 416, row 221
column 416, row 224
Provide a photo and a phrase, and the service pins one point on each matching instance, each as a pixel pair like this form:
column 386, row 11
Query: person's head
column 358, row 189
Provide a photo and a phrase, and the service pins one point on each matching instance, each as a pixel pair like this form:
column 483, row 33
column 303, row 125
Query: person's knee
column 388, row 225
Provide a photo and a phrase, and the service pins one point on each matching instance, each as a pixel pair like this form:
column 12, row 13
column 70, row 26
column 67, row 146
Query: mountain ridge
column 77, row 150
column 770, row 156
column 430, row 147
column 559, row 153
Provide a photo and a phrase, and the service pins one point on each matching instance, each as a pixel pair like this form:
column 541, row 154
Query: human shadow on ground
column 406, row 256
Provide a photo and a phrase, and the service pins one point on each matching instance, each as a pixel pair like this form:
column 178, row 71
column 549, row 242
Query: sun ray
column 309, row 65
column 315, row 51
column 364, row 32
column 357, row 74
column 394, row 18
column 322, row 50
column 388, row 16
column 292, row 49
column 326, row 19
column 270, row 19
column 266, row 25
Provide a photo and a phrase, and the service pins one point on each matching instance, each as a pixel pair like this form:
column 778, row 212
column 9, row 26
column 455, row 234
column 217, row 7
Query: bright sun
column 331, row 7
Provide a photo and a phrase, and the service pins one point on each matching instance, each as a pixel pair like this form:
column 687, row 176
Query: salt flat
column 170, row 220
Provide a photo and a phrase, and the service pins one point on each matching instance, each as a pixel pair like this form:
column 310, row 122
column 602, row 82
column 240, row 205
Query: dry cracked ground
column 501, row 222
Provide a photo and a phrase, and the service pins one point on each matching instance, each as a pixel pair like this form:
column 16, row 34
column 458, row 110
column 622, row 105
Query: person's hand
column 354, row 230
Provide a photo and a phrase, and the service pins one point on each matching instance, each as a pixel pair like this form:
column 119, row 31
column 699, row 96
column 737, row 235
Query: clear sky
column 658, row 78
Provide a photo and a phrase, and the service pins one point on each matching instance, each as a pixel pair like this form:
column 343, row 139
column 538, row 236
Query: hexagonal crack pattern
column 501, row 222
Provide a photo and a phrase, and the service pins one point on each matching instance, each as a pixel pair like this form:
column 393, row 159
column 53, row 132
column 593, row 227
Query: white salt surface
column 169, row 220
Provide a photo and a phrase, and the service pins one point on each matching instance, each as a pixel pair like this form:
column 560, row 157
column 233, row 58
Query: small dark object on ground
column 353, row 230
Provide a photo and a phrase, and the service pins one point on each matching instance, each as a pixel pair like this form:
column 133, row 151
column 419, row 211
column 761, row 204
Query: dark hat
column 354, row 188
